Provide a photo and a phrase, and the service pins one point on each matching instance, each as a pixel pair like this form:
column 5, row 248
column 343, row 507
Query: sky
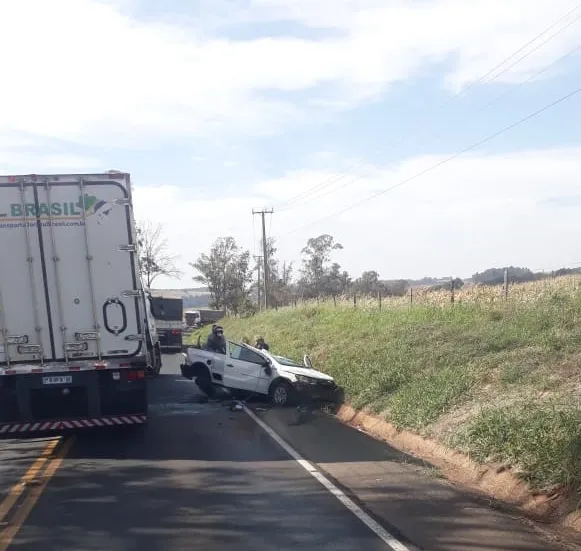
column 429, row 137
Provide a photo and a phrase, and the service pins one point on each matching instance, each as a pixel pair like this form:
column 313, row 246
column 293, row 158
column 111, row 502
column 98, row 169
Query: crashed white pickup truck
column 244, row 369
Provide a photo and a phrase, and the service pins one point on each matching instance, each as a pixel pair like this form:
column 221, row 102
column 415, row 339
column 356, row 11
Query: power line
column 537, row 47
column 446, row 160
column 333, row 179
column 307, row 195
column 492, row 102
column 285, row 205
column 535, row 75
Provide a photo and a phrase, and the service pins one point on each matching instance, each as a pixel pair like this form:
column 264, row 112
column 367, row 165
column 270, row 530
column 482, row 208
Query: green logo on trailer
column 90, row 204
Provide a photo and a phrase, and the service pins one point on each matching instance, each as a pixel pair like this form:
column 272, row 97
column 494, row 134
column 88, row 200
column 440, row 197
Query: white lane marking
column 375, row 527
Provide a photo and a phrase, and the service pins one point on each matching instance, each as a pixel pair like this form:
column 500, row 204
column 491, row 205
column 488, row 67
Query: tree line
column 231, row 274
column 231, row 278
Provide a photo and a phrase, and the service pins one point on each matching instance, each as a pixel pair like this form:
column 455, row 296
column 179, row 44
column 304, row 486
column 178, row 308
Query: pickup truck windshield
column 290, row 363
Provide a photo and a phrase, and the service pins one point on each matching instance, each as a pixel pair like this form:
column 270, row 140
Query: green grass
column 541, row 441
column 490, row 372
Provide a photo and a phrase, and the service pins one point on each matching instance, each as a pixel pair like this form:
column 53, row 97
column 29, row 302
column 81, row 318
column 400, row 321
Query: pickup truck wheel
column 205, row 383
column 281, row 394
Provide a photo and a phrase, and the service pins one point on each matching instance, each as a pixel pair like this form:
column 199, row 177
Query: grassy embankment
column 500, row 380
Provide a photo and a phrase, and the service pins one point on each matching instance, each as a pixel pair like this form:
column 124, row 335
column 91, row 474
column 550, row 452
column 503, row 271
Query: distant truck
column 168, row 314
column 201, row 317
column 77, row 337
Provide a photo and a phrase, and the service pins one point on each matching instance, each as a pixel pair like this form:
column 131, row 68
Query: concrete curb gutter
column 495, row 481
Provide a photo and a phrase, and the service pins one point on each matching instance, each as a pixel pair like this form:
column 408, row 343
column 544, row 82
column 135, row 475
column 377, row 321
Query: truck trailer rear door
column 74, row 235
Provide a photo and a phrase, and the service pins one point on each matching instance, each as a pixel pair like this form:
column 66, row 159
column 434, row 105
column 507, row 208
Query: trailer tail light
column 175, row 331
column 128, row 375
column 135, row 375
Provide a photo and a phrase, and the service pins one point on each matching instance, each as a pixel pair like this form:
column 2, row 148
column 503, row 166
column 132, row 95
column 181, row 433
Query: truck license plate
column 63, row 380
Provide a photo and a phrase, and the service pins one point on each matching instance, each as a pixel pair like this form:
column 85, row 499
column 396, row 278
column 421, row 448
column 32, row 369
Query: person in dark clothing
column 261, row 344
column 216, row 341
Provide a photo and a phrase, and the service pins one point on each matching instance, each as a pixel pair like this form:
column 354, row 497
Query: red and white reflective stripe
column 73, row 424
column 25, row 369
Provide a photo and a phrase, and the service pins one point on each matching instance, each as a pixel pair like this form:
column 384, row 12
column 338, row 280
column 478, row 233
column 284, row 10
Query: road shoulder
column 404, row 493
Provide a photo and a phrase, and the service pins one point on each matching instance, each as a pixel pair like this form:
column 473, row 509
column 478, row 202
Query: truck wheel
column 205, row 383
column 281, row 394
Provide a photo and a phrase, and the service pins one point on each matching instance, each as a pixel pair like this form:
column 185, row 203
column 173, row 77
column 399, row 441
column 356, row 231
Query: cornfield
column 517, row 294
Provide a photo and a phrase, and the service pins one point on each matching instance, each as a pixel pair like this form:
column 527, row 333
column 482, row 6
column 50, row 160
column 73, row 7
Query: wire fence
column 450, row 294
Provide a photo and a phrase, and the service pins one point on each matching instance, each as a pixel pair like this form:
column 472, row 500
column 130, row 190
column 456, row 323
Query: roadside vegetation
column 497, row 377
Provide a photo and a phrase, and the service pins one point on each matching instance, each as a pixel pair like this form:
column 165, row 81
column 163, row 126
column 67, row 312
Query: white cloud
column 470, row 214
column 95, row 73
column 191, row 224
column 12, row 161
column 90, row 73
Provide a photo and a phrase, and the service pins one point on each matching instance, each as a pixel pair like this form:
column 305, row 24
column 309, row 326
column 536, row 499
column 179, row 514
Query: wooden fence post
column 452, row 289
column 505, row 289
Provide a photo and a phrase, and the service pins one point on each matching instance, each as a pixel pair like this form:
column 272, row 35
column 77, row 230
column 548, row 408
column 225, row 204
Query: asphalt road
column 202, row 476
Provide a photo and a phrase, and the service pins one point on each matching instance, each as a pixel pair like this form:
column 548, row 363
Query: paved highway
column 202, row 476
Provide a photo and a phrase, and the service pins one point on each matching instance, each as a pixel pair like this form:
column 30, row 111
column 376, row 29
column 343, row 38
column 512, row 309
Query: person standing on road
column 261, row 344
column 216, row 341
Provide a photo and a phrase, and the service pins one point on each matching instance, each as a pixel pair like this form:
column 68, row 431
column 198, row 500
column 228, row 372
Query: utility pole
column 262, row 213
column 258, row 288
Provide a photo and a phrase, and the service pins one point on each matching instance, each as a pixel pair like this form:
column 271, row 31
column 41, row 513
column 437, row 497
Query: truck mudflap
column 72, row 424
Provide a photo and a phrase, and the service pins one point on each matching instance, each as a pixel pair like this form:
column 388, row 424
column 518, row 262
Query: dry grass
column 518, row 294
column 497, row 378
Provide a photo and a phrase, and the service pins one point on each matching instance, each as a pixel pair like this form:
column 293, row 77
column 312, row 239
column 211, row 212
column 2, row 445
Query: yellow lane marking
column 8, row 534
column 18, row 489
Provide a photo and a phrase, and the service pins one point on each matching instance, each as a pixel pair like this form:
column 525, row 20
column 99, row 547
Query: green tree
column 227, row 273
column 368, row 283
column 316, row 257
column 495, row 276
column 336, row 281
column 394, row 287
